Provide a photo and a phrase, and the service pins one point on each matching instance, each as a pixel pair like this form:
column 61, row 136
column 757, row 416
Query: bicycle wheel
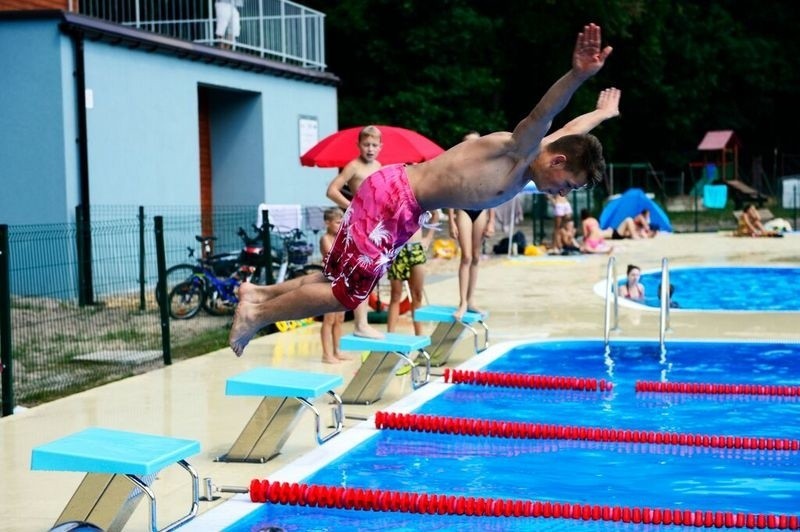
column 186, row 299
column 175, row 275
column 216, row 304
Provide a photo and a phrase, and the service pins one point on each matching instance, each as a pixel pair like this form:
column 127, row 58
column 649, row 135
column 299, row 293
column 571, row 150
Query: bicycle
column 224, row 264
column 205, row 289
column 292, row 259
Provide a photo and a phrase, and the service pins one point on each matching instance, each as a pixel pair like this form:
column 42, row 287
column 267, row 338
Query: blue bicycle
column 205, row 288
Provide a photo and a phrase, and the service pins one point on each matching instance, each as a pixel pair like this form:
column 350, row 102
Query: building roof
column 718, row 140
column 116, row 34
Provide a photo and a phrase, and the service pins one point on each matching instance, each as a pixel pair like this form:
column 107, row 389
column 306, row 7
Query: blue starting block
column 120, row 467
column 448, row 330
column 285, row 394
column 385, row 354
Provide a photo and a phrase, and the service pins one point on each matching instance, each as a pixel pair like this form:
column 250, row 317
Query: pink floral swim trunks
column 383, row 215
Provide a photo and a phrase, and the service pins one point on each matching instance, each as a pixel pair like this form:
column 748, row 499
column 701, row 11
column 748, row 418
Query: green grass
column 128, row 335
column 202, row 343
column 20, row 303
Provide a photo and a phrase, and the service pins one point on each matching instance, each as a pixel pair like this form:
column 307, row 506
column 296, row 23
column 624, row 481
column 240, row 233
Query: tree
column 446, row 66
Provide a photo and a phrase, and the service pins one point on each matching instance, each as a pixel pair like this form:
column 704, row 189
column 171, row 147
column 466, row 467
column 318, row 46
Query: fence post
column 541, row 206
column 141, row 259
column 696, row 226
column 6, row 364
column 533, row 222
column 83, row 237
column 266, row 240
column 161, row 261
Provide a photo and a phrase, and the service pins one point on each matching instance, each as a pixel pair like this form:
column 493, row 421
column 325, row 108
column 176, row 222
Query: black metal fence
column 55, row 339
column 69, row 322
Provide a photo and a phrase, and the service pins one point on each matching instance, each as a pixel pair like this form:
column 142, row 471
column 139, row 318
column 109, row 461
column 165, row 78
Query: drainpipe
column 83, row 220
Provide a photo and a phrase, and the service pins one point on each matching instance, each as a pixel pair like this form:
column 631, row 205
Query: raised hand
column 588, row 58
column 608, row 102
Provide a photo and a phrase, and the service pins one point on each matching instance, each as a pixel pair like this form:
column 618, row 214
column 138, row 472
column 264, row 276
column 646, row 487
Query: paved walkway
column 527, row 297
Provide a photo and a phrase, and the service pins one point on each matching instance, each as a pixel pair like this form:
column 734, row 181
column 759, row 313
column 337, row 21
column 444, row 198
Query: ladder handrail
column 613, row 288
column 663, row 322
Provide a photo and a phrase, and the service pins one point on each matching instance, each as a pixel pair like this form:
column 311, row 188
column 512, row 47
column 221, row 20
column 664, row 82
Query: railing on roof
column 273, row 29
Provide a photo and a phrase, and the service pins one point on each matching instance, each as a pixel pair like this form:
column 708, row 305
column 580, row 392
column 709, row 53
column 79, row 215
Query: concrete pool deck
column 527, row 297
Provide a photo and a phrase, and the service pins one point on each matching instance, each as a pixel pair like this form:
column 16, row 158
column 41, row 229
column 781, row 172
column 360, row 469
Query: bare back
column 476, row 174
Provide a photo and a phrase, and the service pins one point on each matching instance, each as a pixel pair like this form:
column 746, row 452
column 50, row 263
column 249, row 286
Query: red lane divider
column 516, row 429
column 522, row 380
column 717, row 389
column 378, row 500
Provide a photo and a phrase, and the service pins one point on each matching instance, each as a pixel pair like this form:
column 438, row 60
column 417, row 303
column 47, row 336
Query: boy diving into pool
column 392, row 203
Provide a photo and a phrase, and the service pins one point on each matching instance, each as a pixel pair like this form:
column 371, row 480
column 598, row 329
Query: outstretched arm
column 335, row 187
column 607, row 107
column 587, row 59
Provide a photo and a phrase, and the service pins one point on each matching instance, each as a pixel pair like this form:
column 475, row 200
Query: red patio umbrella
column 400, row 145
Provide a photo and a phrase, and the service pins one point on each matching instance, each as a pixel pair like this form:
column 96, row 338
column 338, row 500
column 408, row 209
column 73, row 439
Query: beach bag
column 518, row 238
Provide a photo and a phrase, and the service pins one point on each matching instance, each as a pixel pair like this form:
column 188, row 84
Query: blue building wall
column 37, row 124
column 143, row 128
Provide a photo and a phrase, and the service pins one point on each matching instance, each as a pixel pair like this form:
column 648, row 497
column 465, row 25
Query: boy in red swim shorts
column 389, row 206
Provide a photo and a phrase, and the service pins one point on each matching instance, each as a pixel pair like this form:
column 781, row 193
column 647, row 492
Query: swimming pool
column 727, row 288
column 575, row 471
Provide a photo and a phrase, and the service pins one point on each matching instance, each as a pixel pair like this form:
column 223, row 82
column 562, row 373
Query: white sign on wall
column 308, row 127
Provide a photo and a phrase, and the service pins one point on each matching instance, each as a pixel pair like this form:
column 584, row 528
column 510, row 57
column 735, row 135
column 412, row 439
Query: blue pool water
column 617, row 474
column 729, row 288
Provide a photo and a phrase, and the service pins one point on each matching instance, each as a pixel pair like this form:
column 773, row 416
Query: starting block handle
column 338, row 417
column 147, row 491
column 417, row 380
column 478, row 349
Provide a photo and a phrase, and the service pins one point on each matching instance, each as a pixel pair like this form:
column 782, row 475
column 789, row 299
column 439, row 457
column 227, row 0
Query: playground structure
column 721, row 163
column 727, row 144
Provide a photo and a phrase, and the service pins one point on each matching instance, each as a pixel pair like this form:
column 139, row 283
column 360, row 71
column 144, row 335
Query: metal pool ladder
column 612, row 303
column 612, row 290
column 663, row 322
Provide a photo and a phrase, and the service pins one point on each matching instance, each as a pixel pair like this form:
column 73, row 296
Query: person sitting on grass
column 594, row 240
column 565, row 238
column 394, row 202
column 750, row 224
column 643, row 227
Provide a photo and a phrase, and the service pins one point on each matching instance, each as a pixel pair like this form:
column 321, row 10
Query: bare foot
column 476, row 310
column 367, row 331
column 244, row 325
column 459, row 313
column 342, row 357
column 330, row 360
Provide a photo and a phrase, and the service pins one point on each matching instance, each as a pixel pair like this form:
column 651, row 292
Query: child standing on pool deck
column 469, row 227
column 409, row 267
column 331, row 331
column 391, row 204
column 352, row 176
